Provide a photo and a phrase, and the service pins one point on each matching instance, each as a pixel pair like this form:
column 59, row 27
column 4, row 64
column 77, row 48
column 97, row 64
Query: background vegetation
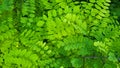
column 59, row 33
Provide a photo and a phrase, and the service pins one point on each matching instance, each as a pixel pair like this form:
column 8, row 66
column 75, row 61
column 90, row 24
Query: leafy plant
column 59, row 34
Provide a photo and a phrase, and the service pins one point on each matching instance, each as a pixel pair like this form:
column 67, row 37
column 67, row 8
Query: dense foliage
column 59, row 34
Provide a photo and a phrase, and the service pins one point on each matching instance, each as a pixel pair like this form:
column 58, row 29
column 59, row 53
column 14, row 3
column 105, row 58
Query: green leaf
column 45, row 17
column 32, row 15
column 46, row 48
column 73, row 18
column 112, row 57
column 23, row 20
column 1, row 60
column 28, row 54
column 69, row 1
column 84, row 26
column 76, row 62
column 69, row 16
column 40, row 23
column 98, row 17
column 54, row 13
column 106, row 4
column 42, row 52
column 23, row 32
column 60, row 11
column 83, row 51
column 94, row 12
column 62, row 4
column 67, row 9
column 58, row 1
column 92, row 1
column 64, row 33
column 34, row 57
column 28, row 33
column 76, row 9
column 104, row 11
column 100, row 4
column 108, row 0
column 102, row 14
column 109, row 64
column 49, row 13
column 98, row 7
column 47, row 5
column 23, row 52
column 1, row 38
column 49, row 51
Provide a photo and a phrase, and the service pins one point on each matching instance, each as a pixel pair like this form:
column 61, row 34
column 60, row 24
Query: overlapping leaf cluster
column 58, row 34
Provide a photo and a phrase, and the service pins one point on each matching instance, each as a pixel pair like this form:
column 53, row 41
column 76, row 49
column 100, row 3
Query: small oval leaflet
column 40, row 23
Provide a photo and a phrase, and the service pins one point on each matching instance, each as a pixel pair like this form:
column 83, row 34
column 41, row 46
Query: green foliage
column 76, row 62
column 59, row 34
